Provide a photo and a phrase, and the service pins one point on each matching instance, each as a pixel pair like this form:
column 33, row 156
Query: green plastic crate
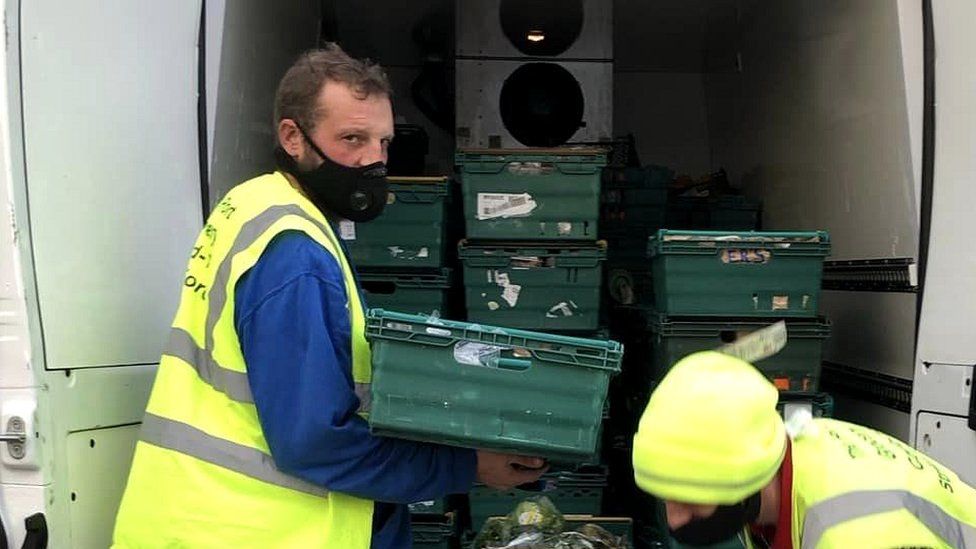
column 528, row 194
column 479, row 386
column 795, row 368
column 733, row 213
column 573, row 493
column 635, row 201
column 724, row 273
column 410, row 292
column 435, row 535
column 429, row 507
column 536, row 286
column 410, row 233
column 618, row 526
column 820, row 404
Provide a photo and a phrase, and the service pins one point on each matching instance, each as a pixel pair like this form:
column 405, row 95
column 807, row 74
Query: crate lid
column 425, row 180
column 559, row 151
column 422, row 329
column 667, row 326
column 596, row 248
column 671, row 241
column 436, row 278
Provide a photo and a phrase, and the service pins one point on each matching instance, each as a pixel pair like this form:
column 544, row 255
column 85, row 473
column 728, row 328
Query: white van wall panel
column 913, row 60
column 817, row 124
column 110, row 131
column 949, row 307
column 260, row 40
column 869, row 332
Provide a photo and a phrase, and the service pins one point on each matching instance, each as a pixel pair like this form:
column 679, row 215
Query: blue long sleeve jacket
column 294, row 328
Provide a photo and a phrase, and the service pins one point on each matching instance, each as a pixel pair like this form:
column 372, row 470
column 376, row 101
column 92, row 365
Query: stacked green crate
column 712, row 287
column 403, row 257
column 436, row 532
column 578, row 491
column 530, row 257
column 422, row 292
column 634, row 205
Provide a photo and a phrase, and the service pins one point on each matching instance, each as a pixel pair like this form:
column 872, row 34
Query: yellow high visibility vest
column 203, row 475
column 856, row 487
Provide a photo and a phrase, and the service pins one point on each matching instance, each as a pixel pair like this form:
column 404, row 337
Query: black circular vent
column 541, row 105
column 541, row 27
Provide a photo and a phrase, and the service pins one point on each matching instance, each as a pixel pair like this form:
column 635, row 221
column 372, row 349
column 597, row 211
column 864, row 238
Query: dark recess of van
column 541, row 27
column 541, row 105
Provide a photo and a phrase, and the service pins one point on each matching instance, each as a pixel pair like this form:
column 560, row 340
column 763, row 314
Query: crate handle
column 515, row 364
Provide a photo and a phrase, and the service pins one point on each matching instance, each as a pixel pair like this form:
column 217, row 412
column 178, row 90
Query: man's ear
column 290, row 138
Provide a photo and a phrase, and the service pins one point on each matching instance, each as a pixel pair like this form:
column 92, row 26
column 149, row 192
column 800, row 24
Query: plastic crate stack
column 634, row 205
column 403, row 257
column 531, row 260
column 435, row 524
column 711, row 288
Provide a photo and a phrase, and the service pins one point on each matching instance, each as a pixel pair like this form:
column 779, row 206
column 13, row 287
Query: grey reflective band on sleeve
column 854, row 505
column 188, row 440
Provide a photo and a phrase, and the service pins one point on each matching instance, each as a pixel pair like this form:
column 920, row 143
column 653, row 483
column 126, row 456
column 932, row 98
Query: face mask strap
column 311, row 143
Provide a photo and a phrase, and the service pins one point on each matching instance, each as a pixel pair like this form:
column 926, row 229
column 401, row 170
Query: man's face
column 680, row 514
column 351, row 130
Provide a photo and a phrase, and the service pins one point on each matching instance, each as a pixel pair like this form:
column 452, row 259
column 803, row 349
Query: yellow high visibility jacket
column 203, row 475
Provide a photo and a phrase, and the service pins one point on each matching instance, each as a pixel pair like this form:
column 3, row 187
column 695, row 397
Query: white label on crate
column 781, row 302
column 438, row 332
column 395, row 251
column 531, row 168
column 423, row 253
column 399, row 326
column 504, row 205
column 511, row 294
column 564, row 228
column 347, row 230
column 562, row 309
column 477, row 354
column 746, row 256
column 758, row 345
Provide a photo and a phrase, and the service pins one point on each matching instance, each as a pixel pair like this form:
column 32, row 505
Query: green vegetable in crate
column 538, row 514
column 536, row 524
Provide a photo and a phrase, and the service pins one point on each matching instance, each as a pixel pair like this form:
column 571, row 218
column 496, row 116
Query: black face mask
column 356, row 194
column 724, row 524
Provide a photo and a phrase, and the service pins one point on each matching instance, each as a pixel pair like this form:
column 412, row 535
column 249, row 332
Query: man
column 253, row 434
column 712, row 446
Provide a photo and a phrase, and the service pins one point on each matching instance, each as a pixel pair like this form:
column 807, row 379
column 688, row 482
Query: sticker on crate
column 399, row 253
column 563, row 308
column 510, row 292
column 347, row 230
column 504, row 205
column 477, row 354
column 758, row 256
column 758, row 345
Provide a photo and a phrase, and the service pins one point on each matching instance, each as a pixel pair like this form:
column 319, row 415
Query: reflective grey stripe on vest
column 854, row 505
column 232, row 383
column 188, row 440
column 365, row 396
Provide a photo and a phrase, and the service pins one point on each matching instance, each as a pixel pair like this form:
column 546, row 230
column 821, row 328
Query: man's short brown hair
column 299, row 89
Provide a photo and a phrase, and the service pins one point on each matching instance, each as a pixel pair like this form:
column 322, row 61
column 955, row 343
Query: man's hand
column 506, row 471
